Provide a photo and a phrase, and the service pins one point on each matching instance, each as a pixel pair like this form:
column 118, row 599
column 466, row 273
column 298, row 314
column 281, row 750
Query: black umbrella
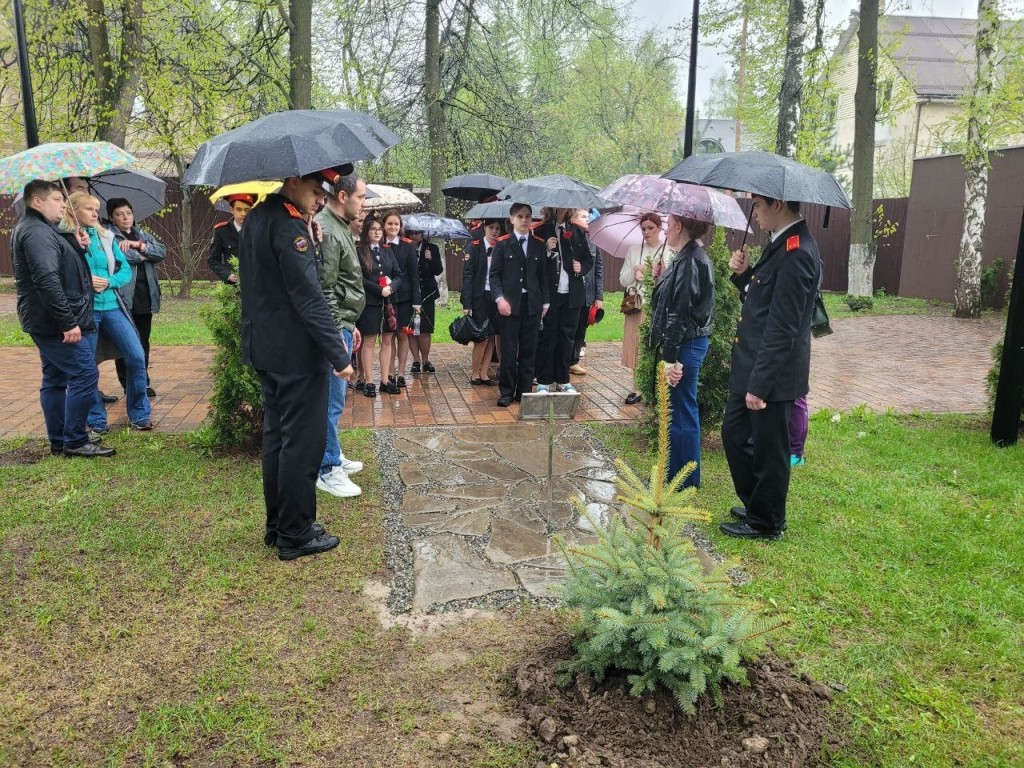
column 474, row 186
column 292, row 143
column 555, row 192
column 434, row 226
column 500, row 209
column 762, row 173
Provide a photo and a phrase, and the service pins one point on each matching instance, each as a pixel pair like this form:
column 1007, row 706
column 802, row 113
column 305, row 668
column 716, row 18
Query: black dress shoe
column 370, row 390
column 740, row 513
column 633, row 398
column 389, row 388
column 150, row 392
column 476, row 382
column 360, row 385
column 270, row 537
column 314, row 546
column 108, row 398
column 504, row 401
column 89, row 451
column 58, row 448
column 744, row 531
column 401, row 381
column 415, row 367
column 428, row 367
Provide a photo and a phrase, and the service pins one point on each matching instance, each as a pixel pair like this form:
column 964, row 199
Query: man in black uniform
column 225, row 238
column 771, row 359
column 287, row 331
column 520, row 289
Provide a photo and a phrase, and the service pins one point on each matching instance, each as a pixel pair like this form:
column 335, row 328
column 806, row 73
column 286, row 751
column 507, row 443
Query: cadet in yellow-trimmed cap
column 225, row 237
column 289, row 336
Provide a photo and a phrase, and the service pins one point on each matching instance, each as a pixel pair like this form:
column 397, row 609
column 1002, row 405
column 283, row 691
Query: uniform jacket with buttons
column 408, row 292
column 223, row 248
column 771, row 354
column 512, row 271
column 474, row 273
column 286, row 324
column 572, row 246
column 385, row 266
column 429, row 270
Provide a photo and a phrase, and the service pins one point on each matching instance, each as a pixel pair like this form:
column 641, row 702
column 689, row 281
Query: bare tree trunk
column 741, row 77
column 432, row 92
column 861, row 268
column 792, row 81
column 967, row 293
column 300, row 54
column 115, row 75
column 189, row 256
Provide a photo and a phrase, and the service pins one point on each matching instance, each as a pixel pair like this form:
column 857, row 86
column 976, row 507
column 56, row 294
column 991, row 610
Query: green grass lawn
column 903, row 575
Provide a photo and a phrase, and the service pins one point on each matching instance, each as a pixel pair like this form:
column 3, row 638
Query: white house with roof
column 925, row 68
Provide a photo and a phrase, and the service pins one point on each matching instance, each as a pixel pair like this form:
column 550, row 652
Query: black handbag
column 465, row 330
column 820, row 325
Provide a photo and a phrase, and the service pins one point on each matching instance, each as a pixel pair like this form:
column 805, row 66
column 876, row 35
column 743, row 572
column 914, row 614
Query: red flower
column 567, row 234
column 407, row 330
column 383, row 281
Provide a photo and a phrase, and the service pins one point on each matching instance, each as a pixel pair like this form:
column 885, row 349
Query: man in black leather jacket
column 771, row 358
column 55, row 299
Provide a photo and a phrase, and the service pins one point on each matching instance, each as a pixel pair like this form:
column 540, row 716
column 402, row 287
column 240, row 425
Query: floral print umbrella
column 59, row 160
column 660, row 195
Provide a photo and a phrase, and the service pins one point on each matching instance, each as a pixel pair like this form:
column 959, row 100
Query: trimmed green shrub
column 235, row 419
column 859, row 303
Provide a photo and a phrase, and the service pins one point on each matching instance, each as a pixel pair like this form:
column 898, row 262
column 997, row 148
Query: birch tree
column 792, row 80
column 967, row 292
column 861, row 266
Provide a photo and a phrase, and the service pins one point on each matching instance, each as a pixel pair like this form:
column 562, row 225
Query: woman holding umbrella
column 407, row 293
column 142, row 293
column 683, row 307
column 110, row 271
column 382, row 277
column 650, row 254
column 429, row 266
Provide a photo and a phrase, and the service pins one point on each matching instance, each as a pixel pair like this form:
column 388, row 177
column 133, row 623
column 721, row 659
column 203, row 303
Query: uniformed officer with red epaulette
column 520, row 291
column 287, row 332
column 771, row 359
column 224, row 246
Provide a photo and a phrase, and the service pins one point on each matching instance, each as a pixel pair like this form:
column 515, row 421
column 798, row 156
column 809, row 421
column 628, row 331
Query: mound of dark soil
column 780, row 719
column 30, row 453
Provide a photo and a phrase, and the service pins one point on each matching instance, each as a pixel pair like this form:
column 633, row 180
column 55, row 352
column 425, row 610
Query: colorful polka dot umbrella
column 59, row 160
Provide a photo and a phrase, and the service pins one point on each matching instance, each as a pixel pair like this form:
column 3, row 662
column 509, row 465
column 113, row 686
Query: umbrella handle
column 67, row 197
column 750, row 216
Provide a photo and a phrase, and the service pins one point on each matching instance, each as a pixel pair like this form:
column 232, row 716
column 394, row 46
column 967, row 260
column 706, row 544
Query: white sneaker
column 337, row 483
column 569, row 388
column 350, row 466
column 542, row 388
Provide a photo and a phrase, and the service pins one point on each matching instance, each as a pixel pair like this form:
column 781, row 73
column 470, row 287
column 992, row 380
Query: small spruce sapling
column 646, row 606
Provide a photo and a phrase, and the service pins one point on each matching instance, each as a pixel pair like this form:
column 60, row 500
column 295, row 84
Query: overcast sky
column 664, row 13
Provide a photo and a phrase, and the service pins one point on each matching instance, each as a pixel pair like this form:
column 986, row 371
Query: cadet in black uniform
column 520, row 289
column 225, row 238
column 287, row 332
column 771, row 360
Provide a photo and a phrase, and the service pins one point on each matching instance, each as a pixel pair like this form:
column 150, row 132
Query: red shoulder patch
column 536, row 224
column 538, row 238
column 292, row 211
column 792, row 243
column 474, row 242
column 503, row 238
column 405, row 240
column 220, row 224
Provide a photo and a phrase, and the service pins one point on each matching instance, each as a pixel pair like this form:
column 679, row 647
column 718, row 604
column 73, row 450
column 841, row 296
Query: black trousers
column 294, row 414
column 581, row 334
column 757, row 448
column 144, row 324
column 554, row 350
column 518, row 352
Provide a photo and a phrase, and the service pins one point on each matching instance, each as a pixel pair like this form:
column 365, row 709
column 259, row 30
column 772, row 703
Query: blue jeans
column 68, row 388
column 117, row 326
column 335, row 407
column 684, row 429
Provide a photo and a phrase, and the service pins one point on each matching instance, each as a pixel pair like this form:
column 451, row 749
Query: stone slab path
column 907, row 363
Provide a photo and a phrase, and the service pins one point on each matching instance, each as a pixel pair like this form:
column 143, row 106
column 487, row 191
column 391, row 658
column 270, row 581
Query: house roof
column 935, row 55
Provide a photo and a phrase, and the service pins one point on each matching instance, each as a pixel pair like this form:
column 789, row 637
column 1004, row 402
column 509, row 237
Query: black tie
column 521, row 241
column 376, row 251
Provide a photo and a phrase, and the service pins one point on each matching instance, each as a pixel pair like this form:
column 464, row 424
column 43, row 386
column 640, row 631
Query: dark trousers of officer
column 294, row 414
column 581, row 334
column 518, row 352
column 554, row 351
column 757, row 448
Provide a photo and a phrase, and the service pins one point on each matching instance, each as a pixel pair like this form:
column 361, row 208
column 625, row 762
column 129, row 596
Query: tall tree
column 862, row 238
column 967, row 292
column 792, row 80
column 115, row 69
column 432, row 94
column 300, row 54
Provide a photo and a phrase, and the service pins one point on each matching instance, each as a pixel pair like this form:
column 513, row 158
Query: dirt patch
column 30, row 453
column 780, row 719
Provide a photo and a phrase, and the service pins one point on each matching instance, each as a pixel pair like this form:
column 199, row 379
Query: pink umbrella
column 654, row 193
column 616, row 233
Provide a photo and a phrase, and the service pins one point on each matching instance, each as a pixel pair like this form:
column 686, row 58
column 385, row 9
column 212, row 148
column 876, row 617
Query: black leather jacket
column 683, row 301
column 53, row 280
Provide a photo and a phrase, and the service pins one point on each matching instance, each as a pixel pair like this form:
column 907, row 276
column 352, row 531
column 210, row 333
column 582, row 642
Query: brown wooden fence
column 833, row 242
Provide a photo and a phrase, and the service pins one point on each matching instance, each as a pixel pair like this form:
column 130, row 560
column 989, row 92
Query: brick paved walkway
column 932, row 364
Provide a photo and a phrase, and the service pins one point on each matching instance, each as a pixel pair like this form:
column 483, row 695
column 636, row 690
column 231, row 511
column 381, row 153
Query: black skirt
column 403, row 312
column 428, row 315
column 371, row 320
column 485, row 308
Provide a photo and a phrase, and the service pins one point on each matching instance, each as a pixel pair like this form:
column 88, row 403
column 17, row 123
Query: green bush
column 990, row 276
column 646, row 606
column 235, row 419
column 859, row 303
